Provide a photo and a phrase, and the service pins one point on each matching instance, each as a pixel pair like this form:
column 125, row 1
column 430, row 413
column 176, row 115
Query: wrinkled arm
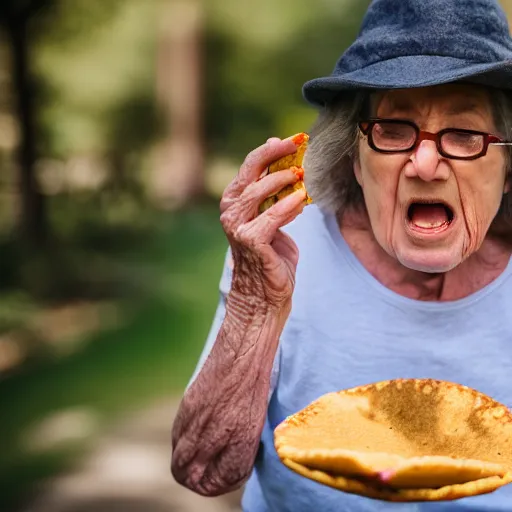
column 217, row 431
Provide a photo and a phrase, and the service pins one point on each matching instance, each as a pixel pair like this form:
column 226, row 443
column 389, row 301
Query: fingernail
column 263, row 174
column 299, row 139
column 299, row 172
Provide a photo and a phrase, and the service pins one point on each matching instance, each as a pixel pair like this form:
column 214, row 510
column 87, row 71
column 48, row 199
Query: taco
column 401, row 440
column 295, row 162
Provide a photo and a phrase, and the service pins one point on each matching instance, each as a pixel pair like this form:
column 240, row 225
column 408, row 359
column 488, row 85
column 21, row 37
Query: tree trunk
column 31, row 216
column 178, row 173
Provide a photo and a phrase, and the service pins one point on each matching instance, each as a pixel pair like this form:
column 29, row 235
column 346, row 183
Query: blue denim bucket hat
column 418, row 43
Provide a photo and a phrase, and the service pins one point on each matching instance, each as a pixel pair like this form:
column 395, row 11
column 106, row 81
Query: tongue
column 429, row 215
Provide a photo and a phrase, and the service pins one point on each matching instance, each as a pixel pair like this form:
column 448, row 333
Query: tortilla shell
column 445, row 493
column 405, row 440
column 293, row 161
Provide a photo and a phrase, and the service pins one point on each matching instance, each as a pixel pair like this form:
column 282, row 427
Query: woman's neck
column 473, row 274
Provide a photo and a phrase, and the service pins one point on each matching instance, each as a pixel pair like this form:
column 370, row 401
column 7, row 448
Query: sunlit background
column 121, row 121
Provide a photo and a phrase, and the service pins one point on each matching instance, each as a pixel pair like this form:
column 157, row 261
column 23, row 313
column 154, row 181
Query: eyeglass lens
column 398, row 136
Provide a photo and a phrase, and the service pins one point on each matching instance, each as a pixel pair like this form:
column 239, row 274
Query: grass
column 151, row 356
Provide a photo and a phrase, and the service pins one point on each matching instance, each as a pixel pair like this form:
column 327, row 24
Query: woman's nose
column 425, row 163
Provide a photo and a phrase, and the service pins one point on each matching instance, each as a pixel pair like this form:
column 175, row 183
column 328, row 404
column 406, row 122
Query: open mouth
column 430, row 215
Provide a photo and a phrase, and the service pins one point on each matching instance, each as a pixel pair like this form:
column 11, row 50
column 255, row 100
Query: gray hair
column 333, row 147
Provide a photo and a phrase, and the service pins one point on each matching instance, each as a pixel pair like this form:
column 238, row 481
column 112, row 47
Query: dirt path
column 128, row 471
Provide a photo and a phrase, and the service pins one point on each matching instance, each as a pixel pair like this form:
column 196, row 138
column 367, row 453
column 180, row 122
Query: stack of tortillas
column 402, row 440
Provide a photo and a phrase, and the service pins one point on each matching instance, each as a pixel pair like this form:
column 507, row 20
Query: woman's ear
column 357, row 171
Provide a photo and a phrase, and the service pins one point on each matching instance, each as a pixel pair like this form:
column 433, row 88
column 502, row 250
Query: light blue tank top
column 346, row 329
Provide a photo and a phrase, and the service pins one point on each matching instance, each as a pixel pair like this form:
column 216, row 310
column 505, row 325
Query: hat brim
column 409, row 72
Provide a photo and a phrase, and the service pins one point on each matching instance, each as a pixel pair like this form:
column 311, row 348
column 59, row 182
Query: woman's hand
column 265, row 258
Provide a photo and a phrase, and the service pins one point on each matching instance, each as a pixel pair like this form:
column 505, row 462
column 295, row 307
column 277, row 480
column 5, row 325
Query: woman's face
column 428, row 211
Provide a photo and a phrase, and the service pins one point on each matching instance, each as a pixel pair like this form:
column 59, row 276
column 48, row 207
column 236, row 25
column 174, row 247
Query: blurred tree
column 15, row 17
column 178, row 175
column 133, row 126
column 99, row 111
column 29, row 26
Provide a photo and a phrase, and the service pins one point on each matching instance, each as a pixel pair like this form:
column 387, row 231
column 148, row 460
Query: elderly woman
column 401, row 268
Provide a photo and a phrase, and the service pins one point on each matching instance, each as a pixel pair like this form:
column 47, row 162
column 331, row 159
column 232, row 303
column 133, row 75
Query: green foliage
column 94, row 62
column 73, row 23
column 177, row 269
column 258, row 58
column 135, row 122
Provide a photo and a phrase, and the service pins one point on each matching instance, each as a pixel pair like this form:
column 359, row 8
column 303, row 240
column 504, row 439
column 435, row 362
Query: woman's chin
column 432, row 261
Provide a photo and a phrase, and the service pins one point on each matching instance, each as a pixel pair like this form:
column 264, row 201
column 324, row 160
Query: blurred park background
column 121, row 121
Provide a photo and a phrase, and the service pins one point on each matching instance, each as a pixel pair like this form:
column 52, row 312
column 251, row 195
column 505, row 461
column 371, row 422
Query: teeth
column 428, row 225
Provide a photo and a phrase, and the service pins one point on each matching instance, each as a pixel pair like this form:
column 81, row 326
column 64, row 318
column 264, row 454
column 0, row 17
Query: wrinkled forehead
column 450, row 100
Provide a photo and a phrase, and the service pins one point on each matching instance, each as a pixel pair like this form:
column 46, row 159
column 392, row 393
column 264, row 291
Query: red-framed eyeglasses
column 401, row 136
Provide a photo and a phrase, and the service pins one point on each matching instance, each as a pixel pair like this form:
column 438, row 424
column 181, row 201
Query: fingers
column 241, row 200
column 258, row 191
column 285, row 210
column 262, row 230
column 248, row 200
column 257, row 161
column 242, row 209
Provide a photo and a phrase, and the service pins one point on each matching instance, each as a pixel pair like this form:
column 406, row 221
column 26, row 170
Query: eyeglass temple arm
column 496, row 141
